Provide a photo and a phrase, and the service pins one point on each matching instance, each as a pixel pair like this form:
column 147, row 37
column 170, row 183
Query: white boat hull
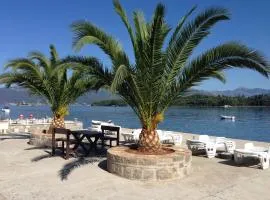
column 7, row 111
column 227, row 117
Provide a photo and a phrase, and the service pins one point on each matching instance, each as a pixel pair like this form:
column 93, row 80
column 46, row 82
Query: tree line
column 205, row 100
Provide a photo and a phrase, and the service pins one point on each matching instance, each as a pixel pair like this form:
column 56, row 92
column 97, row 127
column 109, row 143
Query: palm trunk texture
column 149, row 141
column 57, row 122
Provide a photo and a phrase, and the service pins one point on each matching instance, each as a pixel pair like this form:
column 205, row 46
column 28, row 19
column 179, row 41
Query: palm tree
column 48, row 78
column 164, row 68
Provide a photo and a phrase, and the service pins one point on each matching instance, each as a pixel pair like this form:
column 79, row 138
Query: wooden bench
column 66, row 141
column 111, row 138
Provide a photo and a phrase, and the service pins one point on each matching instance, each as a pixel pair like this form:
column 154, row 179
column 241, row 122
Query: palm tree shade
column 49, row 78
column 164, row 67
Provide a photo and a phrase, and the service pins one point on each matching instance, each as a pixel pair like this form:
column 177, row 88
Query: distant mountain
column 243, row 92
column 14, row 95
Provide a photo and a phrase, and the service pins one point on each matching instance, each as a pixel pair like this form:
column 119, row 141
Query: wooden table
column 91, row 136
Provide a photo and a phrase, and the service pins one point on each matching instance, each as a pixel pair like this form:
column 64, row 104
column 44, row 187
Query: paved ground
column 29, row 173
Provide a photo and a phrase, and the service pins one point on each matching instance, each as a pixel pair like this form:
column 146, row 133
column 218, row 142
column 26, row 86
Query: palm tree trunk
column 57, row 122
column 149, row 141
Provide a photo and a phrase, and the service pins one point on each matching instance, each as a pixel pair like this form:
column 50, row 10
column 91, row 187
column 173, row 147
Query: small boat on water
column 227, row 106
column 6, row 109
column 227, row 117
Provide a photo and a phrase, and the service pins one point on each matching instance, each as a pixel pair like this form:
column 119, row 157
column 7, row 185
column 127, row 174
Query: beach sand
column 28, row 173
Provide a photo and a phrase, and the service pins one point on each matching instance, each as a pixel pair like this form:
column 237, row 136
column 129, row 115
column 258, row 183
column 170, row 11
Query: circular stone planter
column 40, row 139
column 175, row 165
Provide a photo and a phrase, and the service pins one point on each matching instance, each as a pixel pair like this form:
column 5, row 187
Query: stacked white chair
column 264, row 160
column 4, row 125
column 210, row 149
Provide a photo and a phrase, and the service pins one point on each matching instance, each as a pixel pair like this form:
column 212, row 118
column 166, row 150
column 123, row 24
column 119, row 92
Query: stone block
column 187, row 158
column 118, row 169
column 137, row 174
column 178, row 158
column 147, row 162
column 127, row 172
column 148, row 174
column 163, row 174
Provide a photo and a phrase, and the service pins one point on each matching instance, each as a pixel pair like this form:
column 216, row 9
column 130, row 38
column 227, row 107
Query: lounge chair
column 224, row 145
column 133, row 136
column 209, row 146
column 96, row 125
column 176, row 138
column 196, row 146
column 261, row 153
column 164, row 136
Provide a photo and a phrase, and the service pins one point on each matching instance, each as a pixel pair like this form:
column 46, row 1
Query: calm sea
column 250, row 123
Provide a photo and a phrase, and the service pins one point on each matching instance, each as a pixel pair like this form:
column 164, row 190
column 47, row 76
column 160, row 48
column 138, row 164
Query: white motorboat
column 6, row 109
column 226, row 106
column 227, row 117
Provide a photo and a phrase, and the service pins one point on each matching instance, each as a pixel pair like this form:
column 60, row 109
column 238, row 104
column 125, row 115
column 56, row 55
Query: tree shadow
column 248, row 162
column 36, row 147
column 92, row 158
column 14, row 136
column 41, row 157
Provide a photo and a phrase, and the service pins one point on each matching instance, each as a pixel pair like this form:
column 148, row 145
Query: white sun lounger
column 204, row 143
column 164, row 136
column 176, row 138
column 261, row 153
column 96, row 125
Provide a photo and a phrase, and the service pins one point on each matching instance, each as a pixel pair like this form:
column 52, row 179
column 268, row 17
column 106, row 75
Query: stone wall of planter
column 175, row 165
column 41, row 139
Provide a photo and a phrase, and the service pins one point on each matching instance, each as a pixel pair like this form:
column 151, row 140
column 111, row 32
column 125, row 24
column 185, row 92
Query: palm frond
column 229, row 55
column 87, row 33
column 189, row 37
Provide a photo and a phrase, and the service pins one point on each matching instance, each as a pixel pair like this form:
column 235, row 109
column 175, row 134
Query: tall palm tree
column 164, row 68
column 49, row 78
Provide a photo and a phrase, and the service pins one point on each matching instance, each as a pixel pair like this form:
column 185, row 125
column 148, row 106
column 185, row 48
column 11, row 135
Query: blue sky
column 33, row 25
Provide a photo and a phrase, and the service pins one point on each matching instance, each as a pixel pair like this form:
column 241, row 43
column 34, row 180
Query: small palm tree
column 48, row 78
column 164, row 68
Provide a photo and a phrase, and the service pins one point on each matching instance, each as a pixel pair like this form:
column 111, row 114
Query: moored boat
column 227, row 117
column 6, row 109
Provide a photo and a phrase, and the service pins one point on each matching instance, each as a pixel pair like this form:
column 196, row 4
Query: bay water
column 252, row 123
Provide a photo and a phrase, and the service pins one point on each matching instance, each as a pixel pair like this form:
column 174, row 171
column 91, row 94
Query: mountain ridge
column 15, row 95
